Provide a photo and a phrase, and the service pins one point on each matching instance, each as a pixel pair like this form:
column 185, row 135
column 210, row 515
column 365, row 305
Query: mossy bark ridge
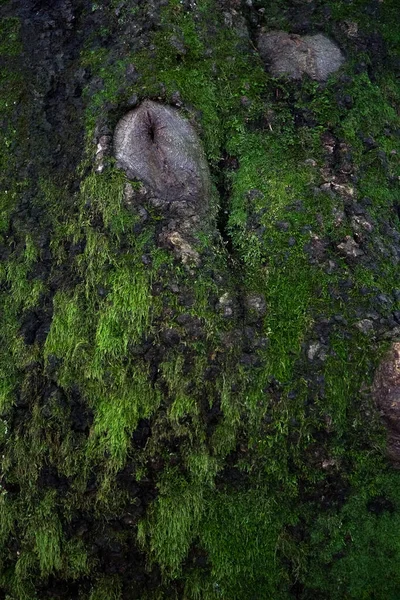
column 199, row 299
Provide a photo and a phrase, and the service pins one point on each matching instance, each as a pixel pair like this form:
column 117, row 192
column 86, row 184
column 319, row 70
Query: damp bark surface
column 199, row 300
column 386, row 390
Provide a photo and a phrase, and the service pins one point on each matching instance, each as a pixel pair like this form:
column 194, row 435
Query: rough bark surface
column 154, row 144
column 386, row 390
column 188, row 346
column 293, row 55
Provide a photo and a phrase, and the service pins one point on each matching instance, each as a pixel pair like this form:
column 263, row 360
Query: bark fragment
column 294, row 55
column 386, row 392
column 154, row 144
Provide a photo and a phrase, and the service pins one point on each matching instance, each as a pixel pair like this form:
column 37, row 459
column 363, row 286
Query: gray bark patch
column 156, row 145
column 386, row 393
column 293, row 55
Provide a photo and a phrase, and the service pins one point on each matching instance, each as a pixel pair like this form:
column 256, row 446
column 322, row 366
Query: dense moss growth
column 159, row 437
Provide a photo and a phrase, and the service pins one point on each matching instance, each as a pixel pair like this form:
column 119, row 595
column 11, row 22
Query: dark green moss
column 9, row 33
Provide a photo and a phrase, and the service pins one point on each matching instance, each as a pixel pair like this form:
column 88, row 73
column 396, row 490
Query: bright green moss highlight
column 72, row 348
column 127, row 305
column 118, row 413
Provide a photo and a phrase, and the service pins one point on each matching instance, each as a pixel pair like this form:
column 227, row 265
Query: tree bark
column 186, row 359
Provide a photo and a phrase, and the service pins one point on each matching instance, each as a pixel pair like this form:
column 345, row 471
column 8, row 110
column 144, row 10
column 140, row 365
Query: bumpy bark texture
column 205, row 433
column 294, row 55
column 386, row 390
column 156, row 145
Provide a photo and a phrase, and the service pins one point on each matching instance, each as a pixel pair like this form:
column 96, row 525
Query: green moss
column 10, row 44
column 46, row 530
column 75, row 563
column 343, row 567
column 118, row 413
column 173, row 522
column 297, row 292
column 18, row 294
column 107, row 587
column 241, row 535
column 7, row 517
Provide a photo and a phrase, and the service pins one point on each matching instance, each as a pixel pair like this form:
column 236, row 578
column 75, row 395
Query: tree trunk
column 186, row 360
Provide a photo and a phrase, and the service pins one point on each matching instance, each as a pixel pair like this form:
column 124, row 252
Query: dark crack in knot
column 156, row 145
column 151, row 128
